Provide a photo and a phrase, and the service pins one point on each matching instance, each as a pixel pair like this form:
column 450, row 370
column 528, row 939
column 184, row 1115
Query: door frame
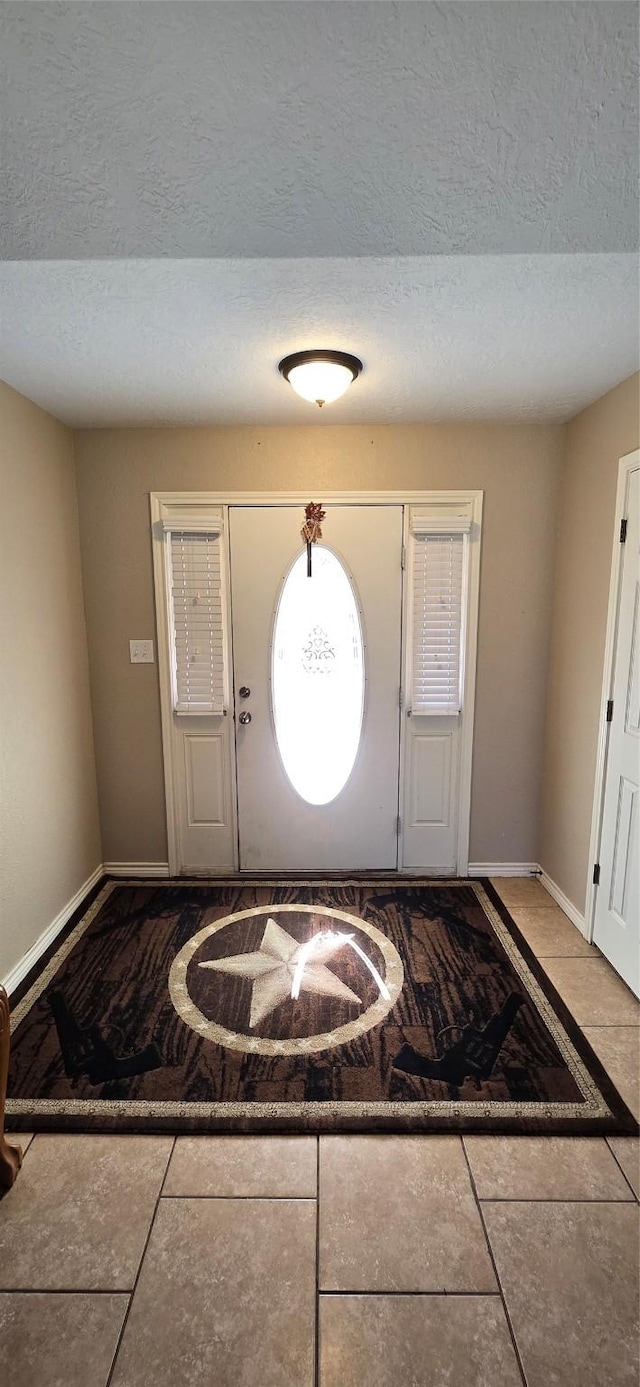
column 188, row 507
column 626, row 465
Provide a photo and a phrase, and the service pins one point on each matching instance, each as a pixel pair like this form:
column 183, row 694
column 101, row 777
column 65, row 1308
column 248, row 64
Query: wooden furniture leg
column 10, row 1156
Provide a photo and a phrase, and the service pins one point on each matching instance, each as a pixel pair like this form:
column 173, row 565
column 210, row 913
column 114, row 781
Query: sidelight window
column 438, row 603
column 197, row 623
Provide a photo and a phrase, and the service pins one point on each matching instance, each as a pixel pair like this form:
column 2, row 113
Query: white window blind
column 438, row 575
column 196, row 606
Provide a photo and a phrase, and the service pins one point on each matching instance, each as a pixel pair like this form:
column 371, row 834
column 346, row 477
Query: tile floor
column 348, row 1262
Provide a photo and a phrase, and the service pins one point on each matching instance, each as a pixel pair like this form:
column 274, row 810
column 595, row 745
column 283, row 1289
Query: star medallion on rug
column 301, row 1006
column 273, row 969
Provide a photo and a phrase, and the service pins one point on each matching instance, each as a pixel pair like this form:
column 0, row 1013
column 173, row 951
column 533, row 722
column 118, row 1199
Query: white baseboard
column 524, row 869
column 503, row 869
column 34, row 954
column 563, row 901
column 136, row 869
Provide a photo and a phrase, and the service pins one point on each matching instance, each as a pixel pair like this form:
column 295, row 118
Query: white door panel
column 617, row 917
column 202, row 784
column 431, row 814
column 278, row 829
column 431, row 780
column 204, row 775
column 624, row 868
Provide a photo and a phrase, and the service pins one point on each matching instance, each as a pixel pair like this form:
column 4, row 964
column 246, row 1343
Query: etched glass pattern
column 318, row 677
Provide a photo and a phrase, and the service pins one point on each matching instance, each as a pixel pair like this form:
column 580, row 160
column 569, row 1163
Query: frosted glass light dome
column 320, row 376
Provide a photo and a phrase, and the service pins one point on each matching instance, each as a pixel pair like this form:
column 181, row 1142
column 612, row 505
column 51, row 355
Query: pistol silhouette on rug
column 85, row 1051
column 473, row 1056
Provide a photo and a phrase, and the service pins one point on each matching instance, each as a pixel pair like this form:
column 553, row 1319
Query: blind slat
column 437, row 588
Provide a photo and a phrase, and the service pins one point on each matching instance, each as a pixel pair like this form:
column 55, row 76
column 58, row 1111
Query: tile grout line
column 65, row 1290
column 248, row 1198
column 414, row 1295
column 140, row 1266
column 507, row 1316
column 328, row 1293
column 623, row 1172
column 316, row 1342
column 554, row 1199
column 606, row 1025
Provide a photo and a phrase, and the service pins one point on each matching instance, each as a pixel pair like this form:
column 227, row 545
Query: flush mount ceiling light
column 320, row 376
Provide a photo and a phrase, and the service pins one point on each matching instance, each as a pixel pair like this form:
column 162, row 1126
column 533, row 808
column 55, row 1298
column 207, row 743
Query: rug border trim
column 587, row 1054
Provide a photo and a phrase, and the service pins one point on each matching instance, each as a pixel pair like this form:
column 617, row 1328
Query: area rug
column 301, row 1006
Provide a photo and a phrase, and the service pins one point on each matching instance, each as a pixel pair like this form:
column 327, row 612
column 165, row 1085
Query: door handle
column 244, row 718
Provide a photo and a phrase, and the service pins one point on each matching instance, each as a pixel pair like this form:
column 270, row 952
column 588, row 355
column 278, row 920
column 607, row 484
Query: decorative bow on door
column 311, row 530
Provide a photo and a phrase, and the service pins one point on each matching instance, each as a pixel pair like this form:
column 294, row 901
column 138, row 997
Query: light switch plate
column 141, row 652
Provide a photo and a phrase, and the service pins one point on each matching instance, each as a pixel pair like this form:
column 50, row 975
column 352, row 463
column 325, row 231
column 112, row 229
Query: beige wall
column 49, row 836
column 596, row 439
column 49, row 833
column 519, row 468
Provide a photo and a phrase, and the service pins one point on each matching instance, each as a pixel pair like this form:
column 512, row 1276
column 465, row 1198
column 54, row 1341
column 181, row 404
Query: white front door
column 617, row 917
column 317, row 680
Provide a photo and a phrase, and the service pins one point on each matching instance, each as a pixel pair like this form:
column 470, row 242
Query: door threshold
column 328, row 874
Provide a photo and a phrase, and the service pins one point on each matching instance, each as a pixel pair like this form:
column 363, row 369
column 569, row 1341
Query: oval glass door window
column 318, row 676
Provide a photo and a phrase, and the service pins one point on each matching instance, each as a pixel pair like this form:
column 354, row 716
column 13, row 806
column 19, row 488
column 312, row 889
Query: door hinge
column 398, row 825
column 596, row 874
column 400, row 698
column 623, row 531
column 403, row 556
column 610, row 710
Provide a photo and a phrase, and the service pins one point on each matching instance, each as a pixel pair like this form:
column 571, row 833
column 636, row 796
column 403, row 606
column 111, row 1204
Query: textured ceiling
column 196, row 341
column 189, row 191
column 317, row 128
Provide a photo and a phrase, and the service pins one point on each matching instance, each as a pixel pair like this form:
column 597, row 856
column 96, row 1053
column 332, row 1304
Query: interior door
column 317, row 685
column 617, row 917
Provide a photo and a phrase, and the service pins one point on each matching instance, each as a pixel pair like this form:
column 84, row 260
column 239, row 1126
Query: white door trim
column 184, row 505
column 161, row 595
column 169, row 503
column 626, row 465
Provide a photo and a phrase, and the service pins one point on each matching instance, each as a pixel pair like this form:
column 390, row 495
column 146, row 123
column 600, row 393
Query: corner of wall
column 595, row 441
column 49, row 830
